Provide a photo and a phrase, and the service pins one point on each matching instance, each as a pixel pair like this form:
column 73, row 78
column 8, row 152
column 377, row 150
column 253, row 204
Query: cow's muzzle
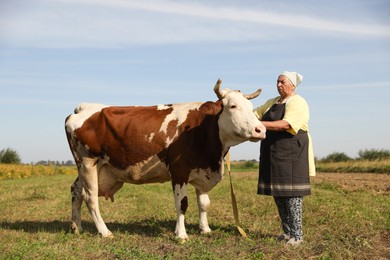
column 258, row 133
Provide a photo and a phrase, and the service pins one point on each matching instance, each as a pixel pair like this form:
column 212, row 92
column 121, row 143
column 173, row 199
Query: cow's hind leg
column 89, row 180
column 203, row 204
column 77, row 200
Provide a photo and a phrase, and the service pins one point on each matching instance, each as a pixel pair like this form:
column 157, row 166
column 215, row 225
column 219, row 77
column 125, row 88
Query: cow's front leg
column 203, row 204
column 181, row 204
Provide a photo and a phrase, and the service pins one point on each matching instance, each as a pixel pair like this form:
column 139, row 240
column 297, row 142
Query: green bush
column 336, row 157
column 374, row 155
column 9, row 156
column 249, row 164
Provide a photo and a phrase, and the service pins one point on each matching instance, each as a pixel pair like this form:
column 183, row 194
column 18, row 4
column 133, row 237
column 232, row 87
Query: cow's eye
column 233, row 106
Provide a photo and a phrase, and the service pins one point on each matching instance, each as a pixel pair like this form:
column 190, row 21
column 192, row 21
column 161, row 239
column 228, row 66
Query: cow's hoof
column 76, row 229
column 109, row 235
column 182, row 238
column 205, row 231
column 182, row 241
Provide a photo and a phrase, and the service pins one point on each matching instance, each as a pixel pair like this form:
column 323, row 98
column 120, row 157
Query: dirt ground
column 378, row 183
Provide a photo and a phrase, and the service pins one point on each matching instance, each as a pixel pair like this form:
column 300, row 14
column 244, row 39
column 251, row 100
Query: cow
column 182, row 143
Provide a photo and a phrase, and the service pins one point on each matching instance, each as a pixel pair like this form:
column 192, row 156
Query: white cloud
column 365, row 85
column 243, row 14
column 120, row 23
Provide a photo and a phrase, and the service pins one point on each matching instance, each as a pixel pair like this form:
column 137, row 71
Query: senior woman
column 286, row 157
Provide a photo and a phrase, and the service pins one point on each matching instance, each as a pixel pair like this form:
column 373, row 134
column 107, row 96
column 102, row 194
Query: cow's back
column 140, row 140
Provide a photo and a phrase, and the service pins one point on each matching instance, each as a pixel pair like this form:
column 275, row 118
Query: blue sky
column 55, row 54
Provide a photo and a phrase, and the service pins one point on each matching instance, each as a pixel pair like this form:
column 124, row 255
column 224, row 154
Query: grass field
column 347, row 217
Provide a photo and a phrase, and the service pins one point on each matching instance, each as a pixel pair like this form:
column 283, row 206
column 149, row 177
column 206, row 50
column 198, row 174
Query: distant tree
column 41, row 162
column 69, row 163
column 374, row 154
column 336, row 157
column 9, row 156
column 55, row 163
column 249, row 164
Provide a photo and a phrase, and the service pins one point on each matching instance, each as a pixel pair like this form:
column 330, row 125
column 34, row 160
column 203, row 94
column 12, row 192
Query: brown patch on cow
column 171, row 128
column 184, row 204
column 119, row 133
column 211, row 108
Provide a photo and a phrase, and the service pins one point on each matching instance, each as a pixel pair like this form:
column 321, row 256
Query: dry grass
column 355, row 166
column 21, row 171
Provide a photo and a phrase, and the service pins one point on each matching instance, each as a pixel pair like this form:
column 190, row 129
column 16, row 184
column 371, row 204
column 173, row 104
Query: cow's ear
column 211, row 108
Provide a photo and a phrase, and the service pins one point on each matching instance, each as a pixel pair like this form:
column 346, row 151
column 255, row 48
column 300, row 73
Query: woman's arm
column 279, row 125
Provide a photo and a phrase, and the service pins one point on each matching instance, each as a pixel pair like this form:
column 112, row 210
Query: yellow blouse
column 297, row 115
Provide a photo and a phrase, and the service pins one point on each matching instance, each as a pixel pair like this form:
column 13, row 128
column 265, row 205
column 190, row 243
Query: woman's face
column 284, row 86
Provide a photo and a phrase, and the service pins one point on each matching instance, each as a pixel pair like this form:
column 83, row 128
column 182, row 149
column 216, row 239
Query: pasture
column 347, row 217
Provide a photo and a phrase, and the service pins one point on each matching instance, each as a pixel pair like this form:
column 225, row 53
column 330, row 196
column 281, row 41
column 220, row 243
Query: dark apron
column 284, row 162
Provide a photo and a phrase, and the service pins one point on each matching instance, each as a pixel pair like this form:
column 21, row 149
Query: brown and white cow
column 182, row 143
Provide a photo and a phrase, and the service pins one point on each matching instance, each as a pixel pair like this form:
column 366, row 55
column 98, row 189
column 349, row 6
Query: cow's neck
column 213, row 146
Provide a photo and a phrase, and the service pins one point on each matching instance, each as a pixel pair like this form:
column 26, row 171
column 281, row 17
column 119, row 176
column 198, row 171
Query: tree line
column 11, row 156
column 363, row 155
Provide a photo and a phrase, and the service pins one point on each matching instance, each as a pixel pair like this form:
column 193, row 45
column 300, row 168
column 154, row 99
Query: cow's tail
column 80, row 108
column 93, row 107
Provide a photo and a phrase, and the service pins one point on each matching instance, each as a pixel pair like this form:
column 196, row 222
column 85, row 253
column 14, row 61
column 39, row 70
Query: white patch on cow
column 203, row 205
column 107, row 182
column 82, row 112
column 88, row 174
column 151, row 170
column 163, row 107
column 205, row 179
column 179, row 114
column 150, row 137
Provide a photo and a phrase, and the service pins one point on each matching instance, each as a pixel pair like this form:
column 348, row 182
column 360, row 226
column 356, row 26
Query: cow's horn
column 254, row 94
column 217, row 89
